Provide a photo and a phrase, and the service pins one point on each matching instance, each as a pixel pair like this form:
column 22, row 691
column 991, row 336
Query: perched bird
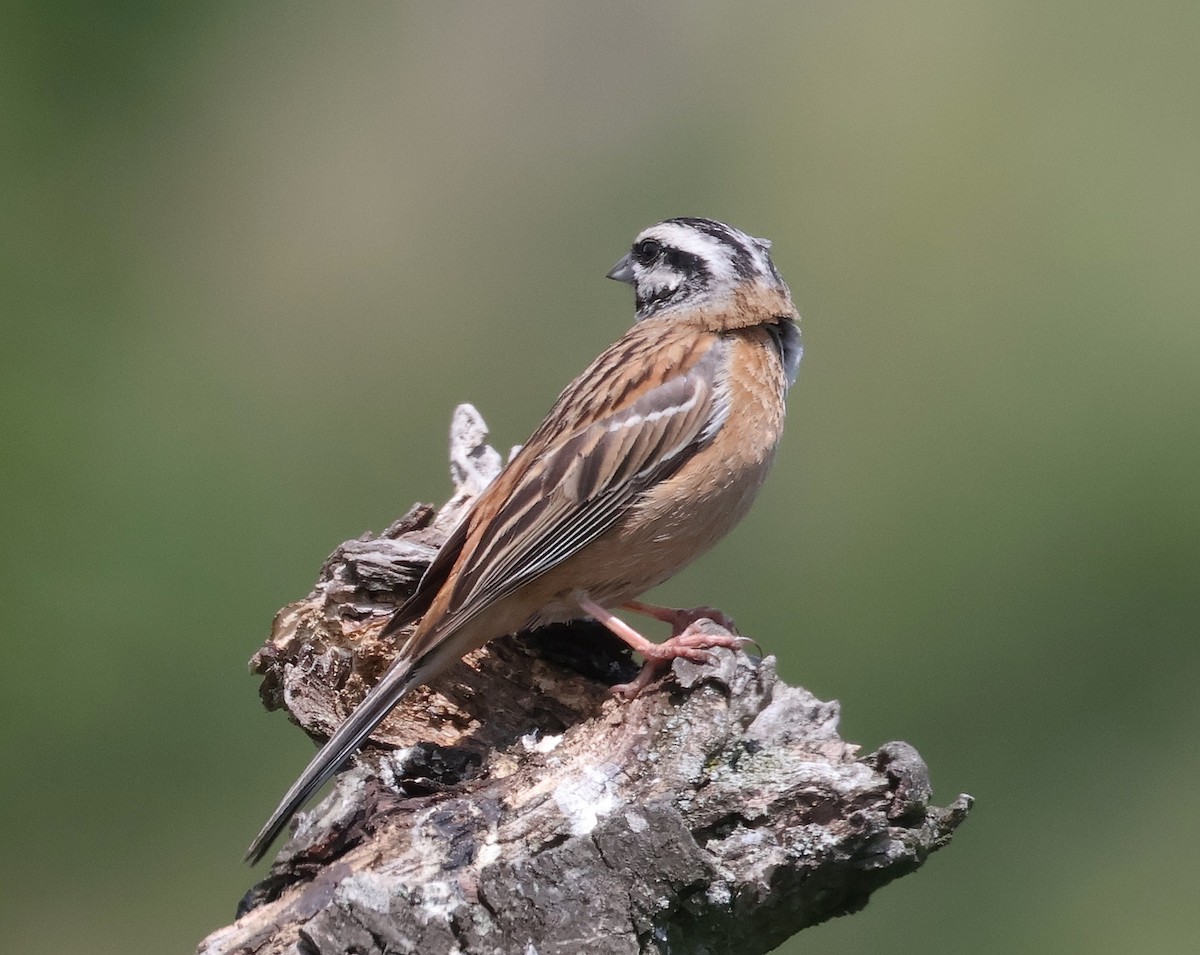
column 645, row 461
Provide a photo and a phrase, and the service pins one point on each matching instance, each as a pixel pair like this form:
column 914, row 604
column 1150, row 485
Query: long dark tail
column 404, row 676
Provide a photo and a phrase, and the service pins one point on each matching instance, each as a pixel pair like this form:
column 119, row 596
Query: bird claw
column 694, row 616
column 633, row 689
column 694, row 643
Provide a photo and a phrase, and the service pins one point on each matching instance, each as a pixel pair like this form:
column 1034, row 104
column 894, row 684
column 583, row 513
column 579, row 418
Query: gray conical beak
column 622, row 271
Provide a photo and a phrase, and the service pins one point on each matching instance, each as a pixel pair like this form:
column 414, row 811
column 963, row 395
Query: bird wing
column 569, row 485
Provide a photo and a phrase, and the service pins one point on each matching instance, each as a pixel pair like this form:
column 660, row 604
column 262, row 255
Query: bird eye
column 646, row 251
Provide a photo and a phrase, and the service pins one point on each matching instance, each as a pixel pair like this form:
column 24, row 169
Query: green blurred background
column 254, row 255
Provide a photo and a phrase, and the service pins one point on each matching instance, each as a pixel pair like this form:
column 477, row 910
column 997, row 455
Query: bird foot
column 694, row 643
column 699, row 631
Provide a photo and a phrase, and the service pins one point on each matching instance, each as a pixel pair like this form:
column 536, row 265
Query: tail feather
column 401, row 678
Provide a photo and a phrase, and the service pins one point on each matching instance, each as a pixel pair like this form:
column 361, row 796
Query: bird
column 645, row 461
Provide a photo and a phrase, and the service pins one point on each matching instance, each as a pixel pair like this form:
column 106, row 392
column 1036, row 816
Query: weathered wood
column 516, row 806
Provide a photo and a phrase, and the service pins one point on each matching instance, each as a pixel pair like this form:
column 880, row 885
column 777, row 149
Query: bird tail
column 401, row 678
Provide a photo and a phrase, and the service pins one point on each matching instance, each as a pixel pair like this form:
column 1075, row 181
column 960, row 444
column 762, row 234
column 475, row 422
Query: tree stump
column 514, row 805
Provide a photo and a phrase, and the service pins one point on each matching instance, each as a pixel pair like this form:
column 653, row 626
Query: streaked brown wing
column 566, row 487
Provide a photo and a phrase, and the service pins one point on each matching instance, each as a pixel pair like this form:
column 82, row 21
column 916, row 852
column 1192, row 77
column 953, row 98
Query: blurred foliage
column 253, row 255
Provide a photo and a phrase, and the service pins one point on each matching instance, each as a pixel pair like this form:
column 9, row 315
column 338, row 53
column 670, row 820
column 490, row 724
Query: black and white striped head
column 691, row 263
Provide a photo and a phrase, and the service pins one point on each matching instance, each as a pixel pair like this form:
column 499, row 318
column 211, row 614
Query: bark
column 516, row 806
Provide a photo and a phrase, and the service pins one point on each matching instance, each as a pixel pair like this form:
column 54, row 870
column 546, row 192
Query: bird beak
column 622, row 271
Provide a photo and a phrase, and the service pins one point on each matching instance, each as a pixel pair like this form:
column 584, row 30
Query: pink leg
column 680, row 620
column 691, row 643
